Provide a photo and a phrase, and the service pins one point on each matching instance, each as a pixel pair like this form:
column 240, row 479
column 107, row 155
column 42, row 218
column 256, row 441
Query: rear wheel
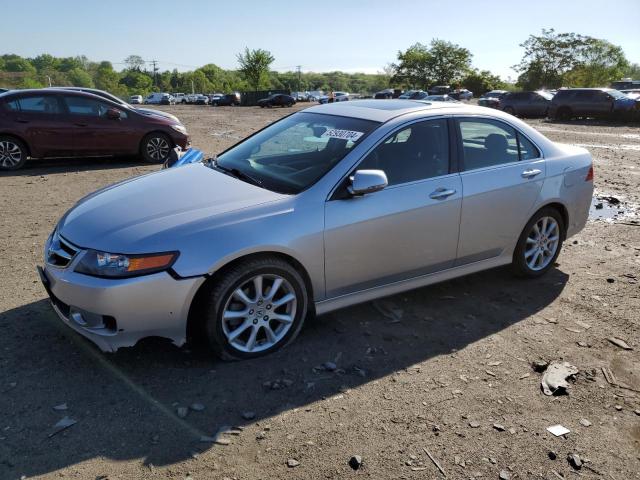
column 156, row 147
column 13, row 153
column 539, row 244
column 256, row 308
column 509, row 110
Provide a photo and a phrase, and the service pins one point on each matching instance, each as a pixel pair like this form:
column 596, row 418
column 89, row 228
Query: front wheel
column 539, row 244
column 256, row 308
column 156, row 147
column 13, row 153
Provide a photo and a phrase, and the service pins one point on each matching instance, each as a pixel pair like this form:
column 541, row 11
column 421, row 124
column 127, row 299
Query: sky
column 347, row 35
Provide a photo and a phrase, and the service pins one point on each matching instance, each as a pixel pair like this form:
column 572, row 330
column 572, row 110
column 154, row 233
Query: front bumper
column 115, row 313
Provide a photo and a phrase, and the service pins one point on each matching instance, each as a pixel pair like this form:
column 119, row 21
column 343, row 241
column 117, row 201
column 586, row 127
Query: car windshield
column 616, row 94
column 292, row 154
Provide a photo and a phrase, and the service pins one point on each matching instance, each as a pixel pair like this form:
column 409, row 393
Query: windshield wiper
column 239, row 174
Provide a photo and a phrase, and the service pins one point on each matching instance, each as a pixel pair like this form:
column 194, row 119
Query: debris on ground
column 499, row 427
column 584, row 422
column 618, row 342
column 196, row 407
column 182, row 412
column 552, row 455
column 558, row 430
column 355, row 462
column 62, row 406
column 539, row 366
column 504, row 475
column 554, row 380
column 292, row 463
column 63, row 424
column 248, row 415
column 575, row 461
column 435, row 462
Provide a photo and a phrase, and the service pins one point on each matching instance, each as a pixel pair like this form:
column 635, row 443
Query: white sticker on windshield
column 342, row 134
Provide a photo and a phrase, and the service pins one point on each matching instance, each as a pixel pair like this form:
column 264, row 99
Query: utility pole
column 299, row 67
column 49, row 78
column 155, row 69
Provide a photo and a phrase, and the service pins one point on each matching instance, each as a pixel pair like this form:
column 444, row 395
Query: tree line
column 550, row 60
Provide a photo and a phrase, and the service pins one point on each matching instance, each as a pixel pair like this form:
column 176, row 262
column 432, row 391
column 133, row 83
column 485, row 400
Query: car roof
column 384, row 110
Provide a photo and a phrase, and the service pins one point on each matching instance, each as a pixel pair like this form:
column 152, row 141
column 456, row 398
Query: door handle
column 531, row 173
column 442, row 193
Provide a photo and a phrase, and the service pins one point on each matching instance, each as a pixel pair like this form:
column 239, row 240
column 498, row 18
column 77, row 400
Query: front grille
column 60, row 251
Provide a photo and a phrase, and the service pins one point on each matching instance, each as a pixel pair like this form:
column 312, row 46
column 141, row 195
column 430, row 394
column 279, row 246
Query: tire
column 222, row 298
column 13, row 153
column 564, row 113
column 156, row 147
column 534, row 254
column 510, row 111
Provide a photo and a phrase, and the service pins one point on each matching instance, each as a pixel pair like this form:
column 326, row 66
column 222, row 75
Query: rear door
column 502, row 174
column 41, row 120
column 95, row 133
column 408, row 229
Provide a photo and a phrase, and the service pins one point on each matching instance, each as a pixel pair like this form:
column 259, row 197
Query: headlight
column 116, row 265
column 179, row 128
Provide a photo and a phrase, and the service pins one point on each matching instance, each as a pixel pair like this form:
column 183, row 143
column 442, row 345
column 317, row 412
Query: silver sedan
column 328, row 207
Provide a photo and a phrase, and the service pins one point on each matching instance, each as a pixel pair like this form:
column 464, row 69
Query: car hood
column 157, row 113
column 152, row 213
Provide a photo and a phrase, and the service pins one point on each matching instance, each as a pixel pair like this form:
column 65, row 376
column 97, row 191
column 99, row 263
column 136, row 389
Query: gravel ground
column 449, row 374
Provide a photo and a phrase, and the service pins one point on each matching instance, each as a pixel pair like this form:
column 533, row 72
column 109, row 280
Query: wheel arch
column 146, row 135
column 560, row 208
column 195, row 310
column 21, row 139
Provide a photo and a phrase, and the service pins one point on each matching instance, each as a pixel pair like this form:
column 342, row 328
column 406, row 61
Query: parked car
column 625, row 84
column 167, row 99
column 250, row 243
column 461, row 94
column 58, row 123
column 439, row 90
column 526, row 104
column 315, row 95
column 277, row 100
column 337, row 97
column 180, row 98
column 201, row 100
column 439, row 98
column 593, row 102
column 122, row 103
column 300, row 96
column 384, row 94
column 407, row 94
column 491, row 99
column 135, row 99
column 228, row 100
column 154, row 98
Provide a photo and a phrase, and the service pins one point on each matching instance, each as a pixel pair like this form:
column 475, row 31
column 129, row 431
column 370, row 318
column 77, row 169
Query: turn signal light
column 589, row 177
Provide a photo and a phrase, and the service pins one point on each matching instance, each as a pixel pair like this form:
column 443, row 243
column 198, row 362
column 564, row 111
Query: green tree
column 134, row 62
column 137, row 83
column 80, row 78
column 440, row 62
column 254, row 66
column 553, row 59
column 482, row 81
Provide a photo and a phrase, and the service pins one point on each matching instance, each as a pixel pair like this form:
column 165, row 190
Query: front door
column 94, row 132
column 502, row 175
column 406, row 230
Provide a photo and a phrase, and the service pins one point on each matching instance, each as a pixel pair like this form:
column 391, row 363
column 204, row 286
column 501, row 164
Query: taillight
column 589, row 177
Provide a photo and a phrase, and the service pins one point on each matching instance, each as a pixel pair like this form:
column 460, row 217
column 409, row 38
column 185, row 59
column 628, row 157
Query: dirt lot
column 450, row 374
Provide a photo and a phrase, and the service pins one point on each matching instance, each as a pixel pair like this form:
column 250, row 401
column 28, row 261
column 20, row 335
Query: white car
column 464, row 94
column 135, row 99
column 180, row 98
column 154, row 98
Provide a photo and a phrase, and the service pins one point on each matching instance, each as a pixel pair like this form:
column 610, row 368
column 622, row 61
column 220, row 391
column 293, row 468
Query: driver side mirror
column 113, row 114
column 367, row 181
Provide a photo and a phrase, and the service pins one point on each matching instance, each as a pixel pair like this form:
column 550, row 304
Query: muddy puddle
column 610, row 208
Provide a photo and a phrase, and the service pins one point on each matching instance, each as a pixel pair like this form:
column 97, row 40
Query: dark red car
column 57, row 123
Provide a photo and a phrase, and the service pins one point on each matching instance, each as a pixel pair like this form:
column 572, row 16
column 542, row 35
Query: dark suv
column 61, row 123
column 526, row 104
column 592, row 102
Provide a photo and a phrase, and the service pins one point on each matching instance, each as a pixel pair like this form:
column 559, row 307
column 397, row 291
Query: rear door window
column 35, row 104
column 86, row 106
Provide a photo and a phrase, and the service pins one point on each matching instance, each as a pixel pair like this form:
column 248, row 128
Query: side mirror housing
column 113, row 114
column 367, row 181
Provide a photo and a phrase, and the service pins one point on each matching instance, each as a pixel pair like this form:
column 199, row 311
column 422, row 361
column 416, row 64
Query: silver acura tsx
column 328, row 207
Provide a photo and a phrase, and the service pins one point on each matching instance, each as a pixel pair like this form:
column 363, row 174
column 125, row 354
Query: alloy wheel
column 259, row 313
column 10, row 154
column 542, row 243
column 158, row 148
